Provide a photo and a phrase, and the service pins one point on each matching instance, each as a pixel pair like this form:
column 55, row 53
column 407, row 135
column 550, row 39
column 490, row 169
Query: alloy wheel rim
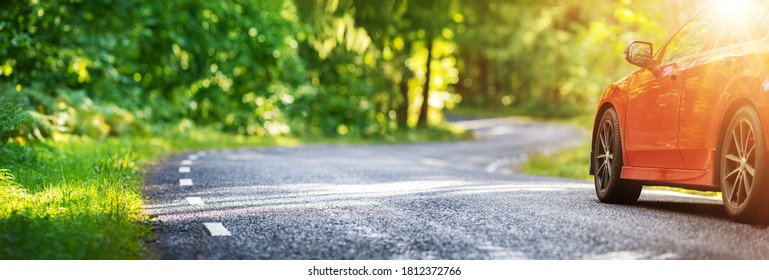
column 604, row 155
column 738, row 165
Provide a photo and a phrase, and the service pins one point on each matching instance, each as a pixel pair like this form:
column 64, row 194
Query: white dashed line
column 195, row 201
column 217, row 229
column 193, row 157
column 186, row 162
column 184, row 169
column 185, row 182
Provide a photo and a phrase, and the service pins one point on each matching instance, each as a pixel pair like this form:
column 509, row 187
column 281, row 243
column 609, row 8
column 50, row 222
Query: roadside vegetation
column 80, row 198
column 570, row 163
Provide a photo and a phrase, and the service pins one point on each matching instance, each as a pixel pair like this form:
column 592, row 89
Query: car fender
column 615, row 96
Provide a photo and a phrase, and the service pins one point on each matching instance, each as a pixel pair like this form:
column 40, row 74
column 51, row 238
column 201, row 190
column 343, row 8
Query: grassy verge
column 570, row 163
column 578, row 120
column 79, row 198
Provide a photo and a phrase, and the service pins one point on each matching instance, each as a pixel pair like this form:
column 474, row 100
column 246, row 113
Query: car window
column 752, row 24
column 692, row 38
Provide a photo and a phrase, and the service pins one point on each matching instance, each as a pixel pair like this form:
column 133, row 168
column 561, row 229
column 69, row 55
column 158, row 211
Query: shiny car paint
column 671, row 114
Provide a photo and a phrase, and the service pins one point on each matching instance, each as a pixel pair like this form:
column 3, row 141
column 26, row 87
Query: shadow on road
column 709, row 210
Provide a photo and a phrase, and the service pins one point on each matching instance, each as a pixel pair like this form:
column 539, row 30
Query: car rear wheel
column 607, row 163
column 742, row 162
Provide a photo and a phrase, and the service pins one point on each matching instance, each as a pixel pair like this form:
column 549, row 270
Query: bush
column 12, row 115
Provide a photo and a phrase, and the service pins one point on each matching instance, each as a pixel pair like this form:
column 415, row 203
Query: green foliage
column 549, row 58
column 306, row 67
column 12, row 116
column 108, row 67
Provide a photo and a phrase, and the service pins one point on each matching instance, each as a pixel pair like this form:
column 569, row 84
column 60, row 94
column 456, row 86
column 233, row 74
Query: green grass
column 76, row 200
column 482, row 112
column 582, row 120
column 79, row 198
column 570, row 163
column 542, row 111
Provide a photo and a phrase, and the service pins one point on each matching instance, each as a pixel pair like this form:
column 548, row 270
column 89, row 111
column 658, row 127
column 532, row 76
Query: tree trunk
column 482, row 90
column 491, row 86
column 464, row 74
column 423, row 121
column 402, row 113
column 523, row 91
column 556, row 92
column 403, row 108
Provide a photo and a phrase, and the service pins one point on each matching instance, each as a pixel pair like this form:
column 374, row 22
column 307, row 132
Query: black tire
column 742, row 160
column 607, row 163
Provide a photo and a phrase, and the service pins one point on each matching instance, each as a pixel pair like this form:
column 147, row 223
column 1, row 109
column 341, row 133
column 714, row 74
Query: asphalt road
column 455, row 200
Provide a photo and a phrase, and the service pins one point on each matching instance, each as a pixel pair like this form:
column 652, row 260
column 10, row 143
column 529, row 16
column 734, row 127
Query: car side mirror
column 639, row 53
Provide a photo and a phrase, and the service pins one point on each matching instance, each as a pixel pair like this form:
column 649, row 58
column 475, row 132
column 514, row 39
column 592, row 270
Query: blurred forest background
column 359, row 68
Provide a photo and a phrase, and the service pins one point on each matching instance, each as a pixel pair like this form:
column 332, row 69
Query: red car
column 694, row 115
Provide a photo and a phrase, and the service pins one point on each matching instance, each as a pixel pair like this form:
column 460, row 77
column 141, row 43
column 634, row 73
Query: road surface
column 452, row 200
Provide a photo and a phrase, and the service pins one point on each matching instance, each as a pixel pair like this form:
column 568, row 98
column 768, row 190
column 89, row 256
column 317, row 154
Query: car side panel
column 756, row 88
column 702, row 104
column 651, row 134
column 679, row 177
column 749, row 86
column 745, row 87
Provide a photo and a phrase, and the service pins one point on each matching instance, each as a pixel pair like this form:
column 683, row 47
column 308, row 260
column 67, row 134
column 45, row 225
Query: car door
column 652, row 122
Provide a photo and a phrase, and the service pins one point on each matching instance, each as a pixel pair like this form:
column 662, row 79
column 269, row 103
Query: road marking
column 502, row 165
column 185, row 182
column 217, row 229
column 194, row 200
column 186, row 162
column 184, row 169
column 193, row 157
column 433, row 162
column 497, row 131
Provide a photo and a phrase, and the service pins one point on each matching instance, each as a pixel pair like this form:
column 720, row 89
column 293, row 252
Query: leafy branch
column 11, row 117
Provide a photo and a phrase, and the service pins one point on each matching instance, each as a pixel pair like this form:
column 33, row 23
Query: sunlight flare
column 732, row 8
